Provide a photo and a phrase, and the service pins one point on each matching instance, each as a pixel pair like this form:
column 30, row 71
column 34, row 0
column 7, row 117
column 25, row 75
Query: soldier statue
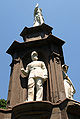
column 37, row 72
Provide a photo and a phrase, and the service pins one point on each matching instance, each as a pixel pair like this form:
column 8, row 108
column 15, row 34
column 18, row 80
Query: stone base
column 32, row 110
column 67, row 109
column 5, row 113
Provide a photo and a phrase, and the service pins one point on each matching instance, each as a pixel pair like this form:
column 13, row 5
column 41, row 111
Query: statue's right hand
column 22, row 69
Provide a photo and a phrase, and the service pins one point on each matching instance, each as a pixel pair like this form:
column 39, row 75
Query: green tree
column 3, row 103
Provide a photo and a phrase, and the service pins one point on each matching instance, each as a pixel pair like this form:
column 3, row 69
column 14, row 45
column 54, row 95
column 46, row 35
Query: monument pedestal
column 67, row 109
column 32, row 110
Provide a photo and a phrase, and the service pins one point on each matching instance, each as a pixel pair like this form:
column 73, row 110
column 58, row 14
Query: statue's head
column 37, row 5
column 65, row 68
column 34, row 56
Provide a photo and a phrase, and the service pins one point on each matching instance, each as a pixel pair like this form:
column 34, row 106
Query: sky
column 62, row 15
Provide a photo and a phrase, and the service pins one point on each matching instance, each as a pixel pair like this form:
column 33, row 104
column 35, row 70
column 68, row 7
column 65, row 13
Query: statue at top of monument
column 69, row 88
column 37, row 72
column 38, row 17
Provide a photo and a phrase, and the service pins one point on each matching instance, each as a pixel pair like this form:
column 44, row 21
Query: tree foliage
column 3, row 103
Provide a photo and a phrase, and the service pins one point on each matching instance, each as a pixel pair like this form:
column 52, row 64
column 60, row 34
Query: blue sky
column 62, row 15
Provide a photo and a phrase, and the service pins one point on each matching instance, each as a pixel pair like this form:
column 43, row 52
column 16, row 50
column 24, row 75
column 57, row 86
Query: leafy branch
column 3, row 103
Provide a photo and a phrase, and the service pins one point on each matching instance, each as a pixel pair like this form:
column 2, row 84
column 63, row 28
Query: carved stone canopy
column 41, row 30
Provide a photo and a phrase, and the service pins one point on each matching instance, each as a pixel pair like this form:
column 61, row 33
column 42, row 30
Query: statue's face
column 64, row 69
column 34, row 58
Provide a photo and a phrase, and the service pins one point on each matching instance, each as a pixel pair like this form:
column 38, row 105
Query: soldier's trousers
column 32, row 83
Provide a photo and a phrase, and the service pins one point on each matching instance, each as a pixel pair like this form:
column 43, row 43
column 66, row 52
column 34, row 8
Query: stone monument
column 47, row 68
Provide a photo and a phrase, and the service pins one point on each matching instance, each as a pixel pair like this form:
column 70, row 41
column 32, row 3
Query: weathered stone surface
column 5, row 113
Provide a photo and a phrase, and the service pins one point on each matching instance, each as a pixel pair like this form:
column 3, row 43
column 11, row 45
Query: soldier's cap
column 34, row 53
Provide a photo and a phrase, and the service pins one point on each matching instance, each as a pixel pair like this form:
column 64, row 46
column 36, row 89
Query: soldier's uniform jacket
column 37, row 69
